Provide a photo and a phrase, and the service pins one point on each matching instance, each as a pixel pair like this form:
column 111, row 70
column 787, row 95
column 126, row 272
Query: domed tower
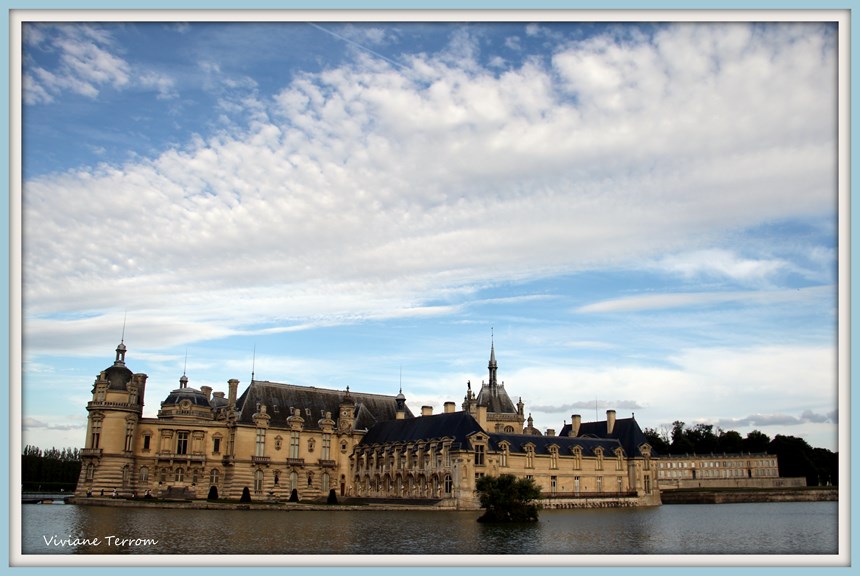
column 107, row 460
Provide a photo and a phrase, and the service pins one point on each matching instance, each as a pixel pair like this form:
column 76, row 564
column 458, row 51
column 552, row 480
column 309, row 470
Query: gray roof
column 457, row 426
column 518, row 442
column 313, row 403
column 626, row 431
column 495, row 399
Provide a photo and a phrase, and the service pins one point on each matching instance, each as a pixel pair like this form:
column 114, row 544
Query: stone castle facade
column 280, row 440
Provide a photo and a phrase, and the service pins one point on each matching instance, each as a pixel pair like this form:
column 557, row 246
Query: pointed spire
column 493, row 366
column 253, row 362
column 121, row 349
column 183, row 380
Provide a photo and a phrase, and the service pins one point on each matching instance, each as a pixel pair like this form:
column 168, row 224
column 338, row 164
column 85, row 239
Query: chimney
column 207, row 391
column 449, row 407
column 576, row 421
column 550, row 432
column 481, row 416
column 217, row 394
column 233, row 387
column 610, row 421
column 426, row 410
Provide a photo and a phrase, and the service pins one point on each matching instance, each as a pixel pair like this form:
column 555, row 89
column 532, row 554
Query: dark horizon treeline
column 51, row 470
column 796, row 458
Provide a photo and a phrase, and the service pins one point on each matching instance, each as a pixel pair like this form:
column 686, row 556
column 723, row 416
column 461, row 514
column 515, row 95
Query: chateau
column 280, row 441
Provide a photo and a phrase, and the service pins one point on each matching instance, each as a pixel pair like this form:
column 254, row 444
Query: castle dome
column 119, row 374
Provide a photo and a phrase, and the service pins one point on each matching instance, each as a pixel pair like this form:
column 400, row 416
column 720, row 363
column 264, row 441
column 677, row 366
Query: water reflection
column 783, row 528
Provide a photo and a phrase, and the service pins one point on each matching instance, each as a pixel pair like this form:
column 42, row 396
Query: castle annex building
column 281, row 440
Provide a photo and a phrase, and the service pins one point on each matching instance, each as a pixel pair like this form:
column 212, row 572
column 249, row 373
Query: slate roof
column 313, row 402
column 455, row 425
column 626, row 431
column 461, row 427
column 496, row 399
column 518, row 442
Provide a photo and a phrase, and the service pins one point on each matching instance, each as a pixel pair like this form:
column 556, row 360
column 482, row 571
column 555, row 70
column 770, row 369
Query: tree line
column 50, row 470
column 796, row 458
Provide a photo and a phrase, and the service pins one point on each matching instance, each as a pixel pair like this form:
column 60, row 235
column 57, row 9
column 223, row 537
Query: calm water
column 772, row 528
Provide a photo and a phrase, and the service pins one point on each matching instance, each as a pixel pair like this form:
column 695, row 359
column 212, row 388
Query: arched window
column 258, row 482
column 449, row 484
column 577, row 458
column 144, row 474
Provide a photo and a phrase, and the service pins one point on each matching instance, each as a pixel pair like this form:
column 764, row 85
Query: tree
column 659, row 442
column 756, row 442
column 730, row 442
column 507, row 498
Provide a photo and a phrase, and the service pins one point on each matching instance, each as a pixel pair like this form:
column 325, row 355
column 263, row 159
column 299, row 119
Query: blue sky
column 643, row 215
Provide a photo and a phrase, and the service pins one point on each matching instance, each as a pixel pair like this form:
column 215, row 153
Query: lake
column 802, row 528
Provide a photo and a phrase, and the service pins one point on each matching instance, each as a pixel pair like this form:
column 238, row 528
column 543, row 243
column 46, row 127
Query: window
column 213, row 476
column 125, row 475
column 261, row 442
column 326, row 446
column 647, row 484
column 129, row 435
column 182, row 442
column 620, row 485
column 258, row 482
column 503, row 456
column 96, row 433
column 162, row 475
column 449, row 484
column 146, row 440
column 294, row 444
column 553, row 457
column 294, row 481
column 194, row 476
column 553, row 483
column 599, row 465
column 343, row 447
column 600, row 483
column 479, row 455
column 144, row 474
column 216, row 445
column 576, row 484
column 577, row 458
column 180, row 474
column 530, row 456
column 619, row 460
column 325, row 483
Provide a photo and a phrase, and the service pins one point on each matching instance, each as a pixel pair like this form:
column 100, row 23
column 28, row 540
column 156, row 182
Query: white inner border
column 18, row 17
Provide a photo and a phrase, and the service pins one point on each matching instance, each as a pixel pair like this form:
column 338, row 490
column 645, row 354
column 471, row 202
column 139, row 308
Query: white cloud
column 369, row 190
column 722, row 263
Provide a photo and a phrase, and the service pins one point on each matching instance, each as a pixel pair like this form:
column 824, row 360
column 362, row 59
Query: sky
column 637, row 216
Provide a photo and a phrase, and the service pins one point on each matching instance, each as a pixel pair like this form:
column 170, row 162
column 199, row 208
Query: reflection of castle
column 278, row 438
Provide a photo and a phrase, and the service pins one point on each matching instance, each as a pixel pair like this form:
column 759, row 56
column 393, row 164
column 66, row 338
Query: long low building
column 278, row 441
column 722, row 471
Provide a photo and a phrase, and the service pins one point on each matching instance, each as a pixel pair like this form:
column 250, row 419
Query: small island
column 506, row 498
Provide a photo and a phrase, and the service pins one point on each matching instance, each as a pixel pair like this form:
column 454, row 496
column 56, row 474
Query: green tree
column 507, row 498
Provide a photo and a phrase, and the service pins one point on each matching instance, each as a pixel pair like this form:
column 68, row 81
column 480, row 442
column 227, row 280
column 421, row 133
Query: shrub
column 507, row 498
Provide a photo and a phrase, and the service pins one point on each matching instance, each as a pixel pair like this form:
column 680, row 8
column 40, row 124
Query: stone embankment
column 235, row 505
column 742, row 496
